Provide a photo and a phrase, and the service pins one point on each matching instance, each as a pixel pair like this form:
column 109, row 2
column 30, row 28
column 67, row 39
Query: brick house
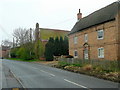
column 97, row 36
column 4, row 52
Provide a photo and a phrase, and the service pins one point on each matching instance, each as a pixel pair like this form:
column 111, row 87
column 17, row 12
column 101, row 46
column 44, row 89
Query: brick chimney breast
column 37, row 33
column 79, row 15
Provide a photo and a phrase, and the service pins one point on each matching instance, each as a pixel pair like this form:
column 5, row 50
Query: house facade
column 97, row 36
column 4, row 52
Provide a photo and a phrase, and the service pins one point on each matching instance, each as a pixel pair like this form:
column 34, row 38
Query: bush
column 62, row 64
column 87, row 67
column 78, row 65
column 13, row 52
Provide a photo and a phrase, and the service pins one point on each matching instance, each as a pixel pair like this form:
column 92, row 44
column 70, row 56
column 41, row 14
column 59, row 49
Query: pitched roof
column 103, row 15
column 46, row 33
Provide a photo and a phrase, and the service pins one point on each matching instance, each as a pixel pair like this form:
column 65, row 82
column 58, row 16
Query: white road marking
column 52, row 74
column 17, row 79
column 75, row 83
column 44, row 71
column 47, row 72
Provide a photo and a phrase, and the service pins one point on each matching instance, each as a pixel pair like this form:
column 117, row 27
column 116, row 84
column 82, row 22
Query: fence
column 105, row 64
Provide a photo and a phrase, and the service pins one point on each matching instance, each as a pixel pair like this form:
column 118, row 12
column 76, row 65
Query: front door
column 85, row 53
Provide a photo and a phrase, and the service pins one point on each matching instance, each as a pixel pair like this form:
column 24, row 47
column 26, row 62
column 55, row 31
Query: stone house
column 97, row 36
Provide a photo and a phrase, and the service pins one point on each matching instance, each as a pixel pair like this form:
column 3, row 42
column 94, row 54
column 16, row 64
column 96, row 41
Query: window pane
column 86, row 37
column 76, row 54
column 98, row 52
column 100, row 34
column 75, row 40
column 101, row 52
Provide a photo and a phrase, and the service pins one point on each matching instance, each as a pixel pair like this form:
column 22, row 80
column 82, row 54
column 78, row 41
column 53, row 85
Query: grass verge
column 19, row 59
column 90, row 70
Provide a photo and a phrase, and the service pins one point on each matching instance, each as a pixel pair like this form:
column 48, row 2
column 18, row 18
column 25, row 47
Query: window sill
column 75, row 56
column 100, row 57
column 100, row 38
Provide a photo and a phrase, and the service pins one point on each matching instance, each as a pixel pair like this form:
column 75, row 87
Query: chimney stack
column 37, row 33
column 37, row 25
column 79, row 15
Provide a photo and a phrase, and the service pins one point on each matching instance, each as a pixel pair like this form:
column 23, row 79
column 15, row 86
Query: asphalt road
column 32, row 75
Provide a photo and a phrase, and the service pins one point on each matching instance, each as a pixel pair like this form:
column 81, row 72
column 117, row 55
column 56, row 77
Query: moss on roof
column 103, row 15
column 47, row 33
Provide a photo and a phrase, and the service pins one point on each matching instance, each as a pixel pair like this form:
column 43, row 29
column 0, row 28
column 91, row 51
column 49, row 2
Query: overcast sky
column 55, row 14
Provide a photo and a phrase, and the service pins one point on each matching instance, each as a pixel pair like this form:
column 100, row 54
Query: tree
column 61, row 46
column 57, row 47
column 38, row 49
column 24, row 41
column 49, row 49
column 22, row 36
column 13, row 52
column 66, row 46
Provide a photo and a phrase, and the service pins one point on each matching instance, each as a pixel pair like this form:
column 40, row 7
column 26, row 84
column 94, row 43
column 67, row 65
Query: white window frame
column 75, row 55
column 86, row 37
column 100, row 54
column 99, row 31
column 75, row 39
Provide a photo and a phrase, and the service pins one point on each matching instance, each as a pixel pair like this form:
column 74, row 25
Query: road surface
column 32, row 75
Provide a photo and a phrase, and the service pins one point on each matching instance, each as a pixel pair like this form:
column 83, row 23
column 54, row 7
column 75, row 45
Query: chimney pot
column 79, row 10
column 79, row 15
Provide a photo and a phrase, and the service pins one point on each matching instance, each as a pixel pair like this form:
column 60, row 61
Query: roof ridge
column 100, row 9
column 55, row 29
column 100, row 16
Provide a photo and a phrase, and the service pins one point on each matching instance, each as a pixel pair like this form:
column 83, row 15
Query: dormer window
column 100, row 34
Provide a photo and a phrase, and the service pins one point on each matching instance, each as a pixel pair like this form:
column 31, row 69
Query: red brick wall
column 109, row 42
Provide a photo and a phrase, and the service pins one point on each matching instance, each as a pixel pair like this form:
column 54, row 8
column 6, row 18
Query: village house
column 97, row 36
column 4, row 51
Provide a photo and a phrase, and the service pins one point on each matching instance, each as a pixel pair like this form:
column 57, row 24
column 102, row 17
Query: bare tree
column 22, row 36
column 7, row 43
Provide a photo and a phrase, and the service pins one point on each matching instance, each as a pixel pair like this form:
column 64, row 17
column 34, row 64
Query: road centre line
column 75, row 83
column 44, row 71
column 47, row 72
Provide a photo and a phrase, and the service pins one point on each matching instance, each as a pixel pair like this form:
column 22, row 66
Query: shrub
column 62, row 64
column 87, row 67
column 13, row 52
